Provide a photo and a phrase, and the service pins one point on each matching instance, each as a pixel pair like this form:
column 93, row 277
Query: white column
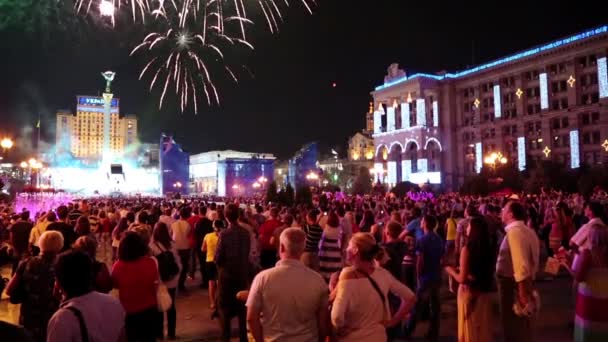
column 378, row 171
column 423, row 165
column 544, row 91
column 420, row 113
column 392, row 172
column 405, row 115
column 602, row 77
column 435, row 113
column 390, row 119
column 521, row 153
column 377, row 122
column 406, row 170
column 575, row 160
column 478, row 157
column 497, row 102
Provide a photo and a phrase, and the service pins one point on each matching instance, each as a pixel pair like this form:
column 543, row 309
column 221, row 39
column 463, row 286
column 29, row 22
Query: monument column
column 107, row 113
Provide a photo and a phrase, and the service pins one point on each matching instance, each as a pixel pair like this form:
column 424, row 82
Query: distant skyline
column 291, row 98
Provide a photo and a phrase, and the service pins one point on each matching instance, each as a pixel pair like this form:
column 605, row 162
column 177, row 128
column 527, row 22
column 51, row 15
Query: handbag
column 163, row 299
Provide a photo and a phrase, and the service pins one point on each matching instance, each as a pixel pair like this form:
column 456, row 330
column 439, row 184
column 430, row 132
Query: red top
column 136, row 283
column 104, row 226
column 266, row 232
column 192, row 220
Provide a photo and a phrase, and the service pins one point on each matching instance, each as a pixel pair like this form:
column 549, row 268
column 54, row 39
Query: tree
column 304, row 196
column 363, row 182
column 286, row 196
column 271, row 193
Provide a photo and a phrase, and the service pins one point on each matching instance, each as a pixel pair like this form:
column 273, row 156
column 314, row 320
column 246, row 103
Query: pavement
column 194, row 323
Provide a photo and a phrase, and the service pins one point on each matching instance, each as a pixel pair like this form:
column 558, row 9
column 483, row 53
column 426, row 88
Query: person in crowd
column 136, row 276
column 289, row 314
column 33, row 286
column 450, row 238
column 461, row 229
column 415, row 224
column 19, row 238
column 331, row 247
column 516, row 268
column 429, row 253
column 209, row 247
column 84, row 312
column 594, row 211
column 83, row 228
column 194, row 260
column 121, row 228
column 181, row 230
column 103, row 236
column 408, row 263
column 162, row 242
column 102, row 282
column 313, row 232
column 590, row 270
column 395, row 249
column 74, row 214
column 94, row 220
column 232, row 260
column 367, row 222
column 475, row 276
column 254, row 255
column 360, row 311
column 63, row 226
column 166, row 218
column 203, row 227
column 268, row 253
column 14, row 333
column 39, row 228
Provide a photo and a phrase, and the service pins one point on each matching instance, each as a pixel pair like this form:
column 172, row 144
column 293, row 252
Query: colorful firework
column 108, row 8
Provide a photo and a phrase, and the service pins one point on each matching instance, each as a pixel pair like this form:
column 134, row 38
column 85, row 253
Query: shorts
column 211, row 270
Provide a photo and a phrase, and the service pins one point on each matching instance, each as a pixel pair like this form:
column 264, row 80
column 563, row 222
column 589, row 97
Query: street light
column 6, row 144
column 256, row 185
column 494, row 159
column 311, row 176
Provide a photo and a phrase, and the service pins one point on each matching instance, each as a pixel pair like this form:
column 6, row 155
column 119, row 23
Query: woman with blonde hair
column 33, row 286
column 360, row 311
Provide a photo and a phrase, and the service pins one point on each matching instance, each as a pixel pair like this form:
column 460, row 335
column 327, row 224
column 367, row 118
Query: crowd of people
column 340, row 269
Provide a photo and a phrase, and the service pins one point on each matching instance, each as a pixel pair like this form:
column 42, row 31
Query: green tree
column 271, row 193
column 286, row 196
column 363, row 182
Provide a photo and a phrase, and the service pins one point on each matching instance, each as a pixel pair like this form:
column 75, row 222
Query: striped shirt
column 313, row 235
column 330, row 253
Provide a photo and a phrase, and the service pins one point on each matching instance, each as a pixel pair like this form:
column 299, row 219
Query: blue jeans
column 427, row 296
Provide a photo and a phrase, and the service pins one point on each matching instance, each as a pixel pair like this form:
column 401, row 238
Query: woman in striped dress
column 591, row 271
column 330, row 248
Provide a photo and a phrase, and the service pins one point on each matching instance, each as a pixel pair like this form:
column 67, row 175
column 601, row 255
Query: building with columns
column 549, row 102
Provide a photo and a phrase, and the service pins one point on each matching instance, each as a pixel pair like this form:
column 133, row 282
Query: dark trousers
column 171, row 318
column 137, row 325
column 226, row 321
column 202, row 261
column 427, row 296
column 268, row 258
column 515, row 328
column 184, row 255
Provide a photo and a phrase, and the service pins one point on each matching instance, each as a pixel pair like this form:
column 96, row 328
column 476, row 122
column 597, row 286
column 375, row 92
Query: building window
column 596, row 137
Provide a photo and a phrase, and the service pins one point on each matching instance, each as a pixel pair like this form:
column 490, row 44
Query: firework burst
column 108, row 8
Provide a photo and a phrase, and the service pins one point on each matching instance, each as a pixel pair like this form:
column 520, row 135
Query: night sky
column 289, row 99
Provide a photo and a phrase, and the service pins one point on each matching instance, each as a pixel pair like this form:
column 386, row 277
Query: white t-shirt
column 103, row 315
column 357, row 308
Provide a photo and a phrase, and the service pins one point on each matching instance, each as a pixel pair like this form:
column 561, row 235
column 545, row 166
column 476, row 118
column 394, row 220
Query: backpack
column 167, row 267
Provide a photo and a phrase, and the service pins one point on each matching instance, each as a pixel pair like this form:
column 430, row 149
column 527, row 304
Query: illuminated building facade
column 231, row 173
column 174, row 166
column 82, row 134
column 546, row 103
column 361, row 147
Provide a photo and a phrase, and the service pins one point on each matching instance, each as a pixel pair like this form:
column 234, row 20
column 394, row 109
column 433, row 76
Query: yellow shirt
column 451, row 231
column 211, row 242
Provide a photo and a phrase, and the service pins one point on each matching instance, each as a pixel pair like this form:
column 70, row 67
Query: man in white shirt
column 83, row 310
column 291, row 297
column 181, row 235
column 516, row 268
column 580, row 240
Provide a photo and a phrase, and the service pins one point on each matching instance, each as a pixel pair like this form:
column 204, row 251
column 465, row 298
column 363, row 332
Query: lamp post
column 495, row 159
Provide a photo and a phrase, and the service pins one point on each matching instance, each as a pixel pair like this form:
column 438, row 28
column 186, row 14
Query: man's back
column 430, row 247
column 232, row 255
column 289, row 297
column 20, row 234
column 267, row 231
column 181, row 230
column 95, row 308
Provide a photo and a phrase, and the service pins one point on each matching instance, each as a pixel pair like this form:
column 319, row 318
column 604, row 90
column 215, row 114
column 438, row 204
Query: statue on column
column 109, row 77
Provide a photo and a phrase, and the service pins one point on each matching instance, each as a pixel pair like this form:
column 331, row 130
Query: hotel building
column 83, row 134
column 549, row 102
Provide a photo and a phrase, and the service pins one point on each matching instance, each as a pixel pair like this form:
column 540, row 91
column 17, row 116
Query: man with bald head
column 291, row 297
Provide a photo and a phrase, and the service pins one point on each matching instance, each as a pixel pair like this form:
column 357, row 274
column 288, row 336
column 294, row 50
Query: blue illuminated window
column 435, row 114
column 497, row 105
column 521, row 153
column 602, row 76
column 544, row 92
column 420, row 112
column 405, row 115
column 478, row 158
column 575, row 161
